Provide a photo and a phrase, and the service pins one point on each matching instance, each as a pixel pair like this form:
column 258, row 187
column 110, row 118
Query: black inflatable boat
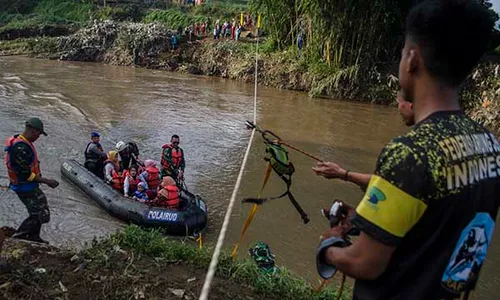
column 192, row 218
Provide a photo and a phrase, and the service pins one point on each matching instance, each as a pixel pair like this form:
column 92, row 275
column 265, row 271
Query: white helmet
column 120, row 146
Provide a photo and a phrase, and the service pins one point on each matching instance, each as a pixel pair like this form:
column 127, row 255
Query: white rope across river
column 220, row 241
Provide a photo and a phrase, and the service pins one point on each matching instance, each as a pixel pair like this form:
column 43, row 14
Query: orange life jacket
column 153, row 179
column 15, row 183
column 176, row 157
column 118, row 179
column 132, row 182
column 168, row 197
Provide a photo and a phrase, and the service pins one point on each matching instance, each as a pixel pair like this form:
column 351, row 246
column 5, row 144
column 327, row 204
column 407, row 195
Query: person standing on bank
column 95, row 155
column 429, row 211
column 25, row 178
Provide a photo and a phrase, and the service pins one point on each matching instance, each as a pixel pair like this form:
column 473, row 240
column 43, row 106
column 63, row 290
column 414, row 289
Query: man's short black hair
column 452, row 35
column 175, row 136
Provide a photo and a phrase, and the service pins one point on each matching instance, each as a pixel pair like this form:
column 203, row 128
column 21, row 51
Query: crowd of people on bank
column 143, row 181
column 222, row 29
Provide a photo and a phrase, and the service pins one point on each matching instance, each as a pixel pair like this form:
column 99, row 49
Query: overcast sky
column 496, row 7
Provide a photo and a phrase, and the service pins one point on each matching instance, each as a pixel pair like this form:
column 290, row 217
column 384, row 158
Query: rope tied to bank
column 220, row 240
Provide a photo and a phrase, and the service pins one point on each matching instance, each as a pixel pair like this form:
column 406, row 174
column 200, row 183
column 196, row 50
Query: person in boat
column 95, row 155
column 151, row 177
column 25, row 177
column 131, row 181
column 168, row 196
column 128, row 154
column 331, row 170
column 172, row 159
column 112, row 173
column 426, row 198
column 141, row 194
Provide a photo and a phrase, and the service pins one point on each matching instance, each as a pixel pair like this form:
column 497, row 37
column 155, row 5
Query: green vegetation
column 176, row 17
column 154, row 245
column 348, row 45
column 29, row 13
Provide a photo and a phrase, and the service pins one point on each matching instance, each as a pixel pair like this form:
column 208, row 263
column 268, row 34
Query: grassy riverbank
column 137, row 264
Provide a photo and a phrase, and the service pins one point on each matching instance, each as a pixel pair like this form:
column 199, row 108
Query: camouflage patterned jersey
column 434, row 196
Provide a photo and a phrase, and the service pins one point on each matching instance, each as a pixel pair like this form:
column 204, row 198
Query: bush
column 132, row 13
column 67, row 10
column 17, row 6
column 173, row 18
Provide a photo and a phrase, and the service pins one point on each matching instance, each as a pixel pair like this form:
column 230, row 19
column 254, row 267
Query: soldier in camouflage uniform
column 25, row 178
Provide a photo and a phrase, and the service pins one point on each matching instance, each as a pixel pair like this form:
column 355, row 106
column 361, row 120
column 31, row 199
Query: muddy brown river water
column 149, row 106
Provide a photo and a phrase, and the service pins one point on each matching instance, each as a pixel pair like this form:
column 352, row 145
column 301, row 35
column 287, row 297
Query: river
column 208, row 113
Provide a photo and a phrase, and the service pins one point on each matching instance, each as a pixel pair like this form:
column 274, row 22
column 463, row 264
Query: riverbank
column 149, row 46
column 137, row 264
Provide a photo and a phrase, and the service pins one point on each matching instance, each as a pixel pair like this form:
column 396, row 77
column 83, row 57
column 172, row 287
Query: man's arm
column 392, row 205
column 21, row 158
column 144, row 179
column 355, row 261
column 361, row 179
column 108, row 170
column 126, row 186
column 332, row 170
column 94, row 149
column 182, row 164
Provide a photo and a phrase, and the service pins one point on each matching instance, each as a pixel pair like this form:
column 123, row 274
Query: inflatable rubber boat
column 190, row 219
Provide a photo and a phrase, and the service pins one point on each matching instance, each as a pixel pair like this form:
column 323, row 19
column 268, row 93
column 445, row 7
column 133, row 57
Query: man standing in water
column 25, row 178
column 437, row 185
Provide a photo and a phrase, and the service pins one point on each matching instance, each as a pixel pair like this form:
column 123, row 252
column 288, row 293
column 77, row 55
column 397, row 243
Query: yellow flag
column 241, row 19
column 258, row 21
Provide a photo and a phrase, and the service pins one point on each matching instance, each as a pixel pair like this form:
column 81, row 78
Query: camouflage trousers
column 38, row 209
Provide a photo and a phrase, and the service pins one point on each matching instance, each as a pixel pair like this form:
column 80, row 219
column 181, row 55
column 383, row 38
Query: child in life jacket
column 132, row 179
column 140, row 195
column 151, row 176
column 168, row 196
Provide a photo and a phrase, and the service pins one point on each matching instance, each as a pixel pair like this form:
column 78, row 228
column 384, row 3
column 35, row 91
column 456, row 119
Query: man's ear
column 413, row 61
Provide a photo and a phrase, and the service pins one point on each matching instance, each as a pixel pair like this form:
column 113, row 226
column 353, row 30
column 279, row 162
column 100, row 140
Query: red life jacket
column 118, row 179
column 176, row 157
column 132, row 182
column 168, row 197
column 16, row 184
column 153, row 180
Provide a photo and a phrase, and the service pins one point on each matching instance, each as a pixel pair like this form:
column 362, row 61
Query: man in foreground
column 428, row 215
column 25, row 177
